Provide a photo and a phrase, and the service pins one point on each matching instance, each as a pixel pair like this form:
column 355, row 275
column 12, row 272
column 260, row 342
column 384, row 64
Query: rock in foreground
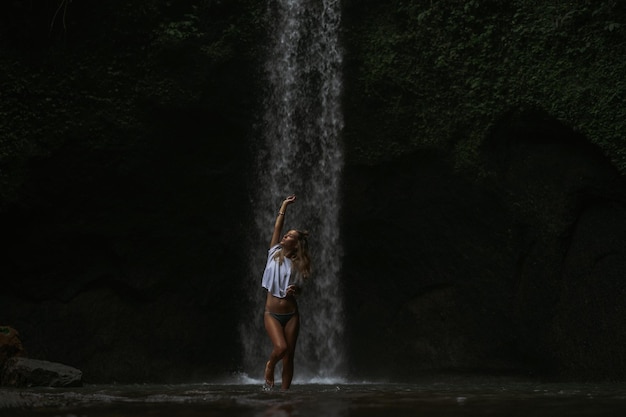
column 26, row 372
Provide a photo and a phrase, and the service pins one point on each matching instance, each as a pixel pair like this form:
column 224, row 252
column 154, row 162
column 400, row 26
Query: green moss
column 418, row 74
column 99, row 82
column 440, row 73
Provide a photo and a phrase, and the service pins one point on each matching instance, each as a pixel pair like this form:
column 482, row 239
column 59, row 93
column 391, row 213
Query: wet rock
column 518, row 271
column 26, row 372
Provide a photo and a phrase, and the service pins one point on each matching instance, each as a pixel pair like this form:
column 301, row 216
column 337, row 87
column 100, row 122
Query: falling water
column 301, row 154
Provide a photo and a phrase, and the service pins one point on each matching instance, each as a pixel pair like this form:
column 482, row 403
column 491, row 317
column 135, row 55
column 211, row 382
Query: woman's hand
column 283, row 207
column 290, row 199
column 292, row 290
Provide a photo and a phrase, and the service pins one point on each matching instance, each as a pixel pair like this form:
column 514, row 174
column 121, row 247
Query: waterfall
column 301, row 154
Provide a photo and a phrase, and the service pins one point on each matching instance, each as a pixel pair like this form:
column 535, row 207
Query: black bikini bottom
column 282, row 318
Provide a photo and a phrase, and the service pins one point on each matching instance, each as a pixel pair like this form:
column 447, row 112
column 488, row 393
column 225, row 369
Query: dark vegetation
column 440, row 73
column 97, row 78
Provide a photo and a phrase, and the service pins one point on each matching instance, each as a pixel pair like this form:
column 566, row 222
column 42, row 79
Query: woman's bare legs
column 292, row 328
column 277, row 337
column 284, row 343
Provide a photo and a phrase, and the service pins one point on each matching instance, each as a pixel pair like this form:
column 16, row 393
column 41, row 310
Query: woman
column 288, row 266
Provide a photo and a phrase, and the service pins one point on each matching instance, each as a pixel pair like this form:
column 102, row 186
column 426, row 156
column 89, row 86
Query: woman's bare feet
column 269, row 375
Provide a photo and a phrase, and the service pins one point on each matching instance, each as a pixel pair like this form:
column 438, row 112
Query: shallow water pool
column 434, row 397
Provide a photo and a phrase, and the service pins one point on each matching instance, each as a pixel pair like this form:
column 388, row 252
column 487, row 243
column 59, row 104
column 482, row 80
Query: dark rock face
column 569, row 216
column 130, row 259
column 519, row 270
column 426, row 269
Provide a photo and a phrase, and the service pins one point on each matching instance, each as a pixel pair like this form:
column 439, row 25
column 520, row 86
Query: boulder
column 26, row 372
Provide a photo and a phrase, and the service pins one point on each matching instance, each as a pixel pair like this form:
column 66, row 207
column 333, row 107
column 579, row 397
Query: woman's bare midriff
column 280, row 305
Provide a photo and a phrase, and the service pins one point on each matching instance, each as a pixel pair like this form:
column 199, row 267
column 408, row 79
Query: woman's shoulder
column 274, row 249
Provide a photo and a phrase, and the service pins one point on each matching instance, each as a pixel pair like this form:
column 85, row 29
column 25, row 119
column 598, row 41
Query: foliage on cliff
column 85, row 77
column 439, row 73
column 418, row 73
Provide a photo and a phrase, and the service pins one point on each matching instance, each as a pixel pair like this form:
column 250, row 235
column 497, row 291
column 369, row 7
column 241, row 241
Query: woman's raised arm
column 280, row 220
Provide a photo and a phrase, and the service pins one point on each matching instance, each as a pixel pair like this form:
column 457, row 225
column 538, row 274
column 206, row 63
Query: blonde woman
column 288, row 267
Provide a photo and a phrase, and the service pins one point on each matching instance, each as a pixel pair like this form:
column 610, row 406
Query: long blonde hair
column 302, row 259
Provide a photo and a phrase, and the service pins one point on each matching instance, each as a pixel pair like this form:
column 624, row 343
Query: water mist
column 301, row 154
